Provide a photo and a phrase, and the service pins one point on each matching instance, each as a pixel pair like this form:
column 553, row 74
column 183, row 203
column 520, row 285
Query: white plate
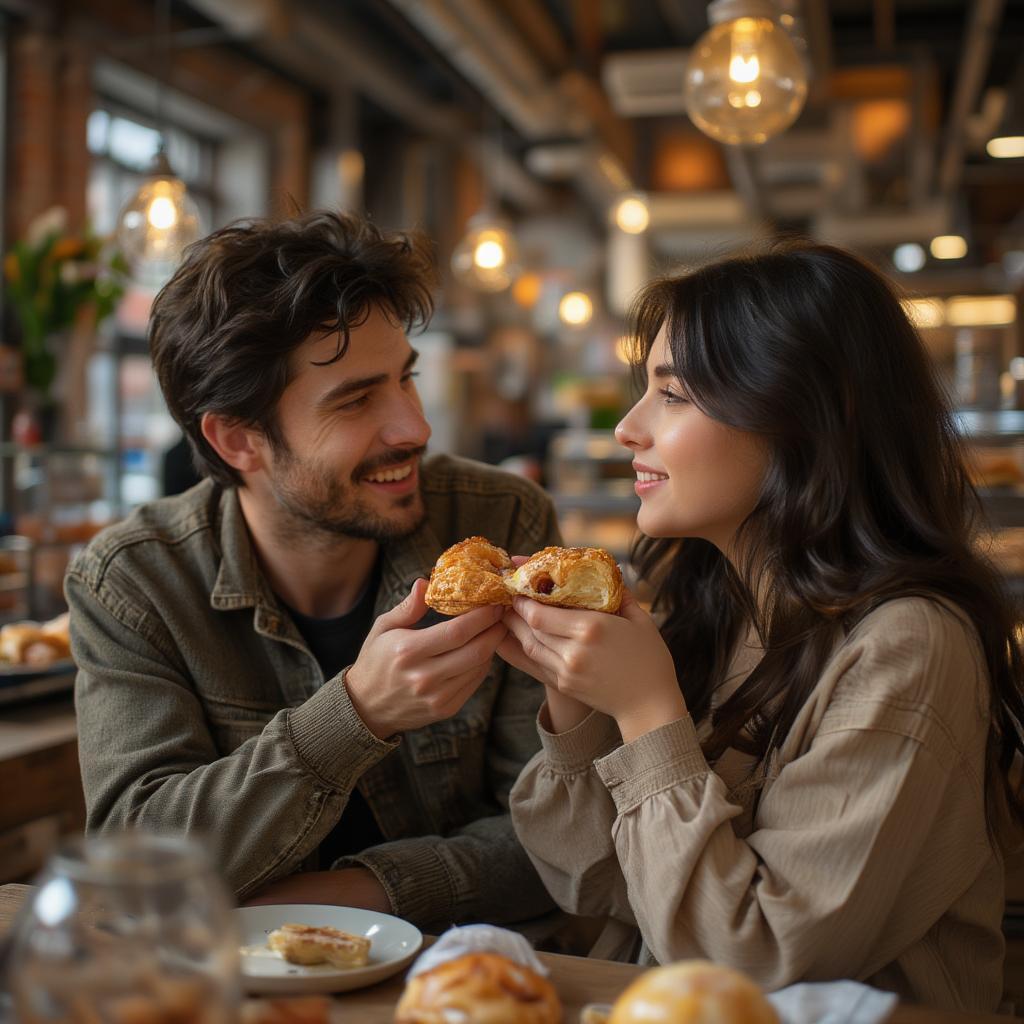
column 393, row 943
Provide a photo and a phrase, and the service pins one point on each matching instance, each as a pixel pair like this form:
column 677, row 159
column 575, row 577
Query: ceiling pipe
column 314, row 48
column 478, row 41
column 984, row 22
column 497, row 69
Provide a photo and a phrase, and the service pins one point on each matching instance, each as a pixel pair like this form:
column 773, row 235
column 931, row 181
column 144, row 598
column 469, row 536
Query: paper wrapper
column 478, row 938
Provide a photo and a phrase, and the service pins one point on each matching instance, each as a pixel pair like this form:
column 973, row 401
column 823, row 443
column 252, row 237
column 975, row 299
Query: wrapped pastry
column 479, row 988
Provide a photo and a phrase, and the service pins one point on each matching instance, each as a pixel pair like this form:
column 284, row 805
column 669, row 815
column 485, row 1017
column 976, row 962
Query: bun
column 571, row 578
column 29, row 643
column 469, row 575
column 692, row 992
column 482, row 988
column 475, row 572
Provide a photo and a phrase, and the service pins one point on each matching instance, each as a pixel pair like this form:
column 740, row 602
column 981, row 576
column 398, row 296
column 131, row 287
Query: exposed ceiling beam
column 818, row 28
column 885, row 24
column 687, row 20
column 985, row 16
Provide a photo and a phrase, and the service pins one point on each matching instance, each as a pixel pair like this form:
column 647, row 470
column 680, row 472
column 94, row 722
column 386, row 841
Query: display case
column 591, row 481
column 995, row 450
column 55, row 498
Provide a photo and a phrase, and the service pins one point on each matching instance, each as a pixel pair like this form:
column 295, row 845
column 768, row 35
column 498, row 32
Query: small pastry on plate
column 308, row 944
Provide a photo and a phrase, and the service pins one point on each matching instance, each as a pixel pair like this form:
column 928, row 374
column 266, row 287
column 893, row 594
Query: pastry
column 571, row 578
column 692, row 992
column 29, row 643
column 469, row 575
column 475, row 572
column 309, row 944
column 479, row 988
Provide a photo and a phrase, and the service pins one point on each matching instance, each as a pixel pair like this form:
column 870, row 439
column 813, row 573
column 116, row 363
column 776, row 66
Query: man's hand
column 406, row 678
column 347, row 887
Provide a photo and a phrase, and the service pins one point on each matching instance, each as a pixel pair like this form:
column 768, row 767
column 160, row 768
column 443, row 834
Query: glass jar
column 126, row 928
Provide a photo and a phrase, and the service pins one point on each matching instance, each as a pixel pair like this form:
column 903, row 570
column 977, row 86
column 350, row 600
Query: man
column 248, row 664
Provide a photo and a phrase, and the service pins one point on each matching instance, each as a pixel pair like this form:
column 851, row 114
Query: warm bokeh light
column 489, row 254
column 575, row 309
column 526, row 290
column 925, row 313
column 1006, row 147
column 949, row 247
column 632, row 215
column 980, row 310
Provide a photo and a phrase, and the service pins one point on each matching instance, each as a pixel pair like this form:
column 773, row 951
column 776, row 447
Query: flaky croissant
column 475, row 572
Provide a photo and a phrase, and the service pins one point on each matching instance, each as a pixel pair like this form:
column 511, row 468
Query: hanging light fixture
column 160, row 219
column 745, row 81
column 486, row 259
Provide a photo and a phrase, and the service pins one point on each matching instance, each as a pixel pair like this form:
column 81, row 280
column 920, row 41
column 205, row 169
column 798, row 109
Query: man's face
column 353, row 434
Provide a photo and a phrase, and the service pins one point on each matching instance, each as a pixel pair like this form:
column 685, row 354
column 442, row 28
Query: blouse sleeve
column 563, row 816
column 859, row 845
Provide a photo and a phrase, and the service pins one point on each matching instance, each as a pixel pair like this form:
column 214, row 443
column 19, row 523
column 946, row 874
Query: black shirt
column 335, row 643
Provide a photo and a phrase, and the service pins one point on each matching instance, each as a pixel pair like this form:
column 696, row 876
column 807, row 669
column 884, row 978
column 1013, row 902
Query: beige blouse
column 866, row 855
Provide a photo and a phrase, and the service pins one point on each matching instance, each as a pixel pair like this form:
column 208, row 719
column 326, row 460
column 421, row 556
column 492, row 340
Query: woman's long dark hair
column 866, row 497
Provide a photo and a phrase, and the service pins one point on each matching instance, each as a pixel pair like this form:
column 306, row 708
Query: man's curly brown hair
column 223, row 328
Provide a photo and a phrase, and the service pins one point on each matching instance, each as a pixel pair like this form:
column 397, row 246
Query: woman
column 804, row 771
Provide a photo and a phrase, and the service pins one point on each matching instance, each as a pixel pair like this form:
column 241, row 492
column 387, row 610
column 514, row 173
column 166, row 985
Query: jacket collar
column 240, row 582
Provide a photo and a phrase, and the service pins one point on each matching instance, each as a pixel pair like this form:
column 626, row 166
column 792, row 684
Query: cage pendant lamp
column 160, row 219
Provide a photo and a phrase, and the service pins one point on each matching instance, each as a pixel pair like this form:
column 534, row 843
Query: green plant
column 50, row 275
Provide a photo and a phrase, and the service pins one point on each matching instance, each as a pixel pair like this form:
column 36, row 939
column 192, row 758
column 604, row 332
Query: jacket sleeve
column 479, row 872
column 148, row 758
column 860, row 844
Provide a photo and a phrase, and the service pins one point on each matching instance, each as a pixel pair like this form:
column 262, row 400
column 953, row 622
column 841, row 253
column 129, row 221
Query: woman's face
column 696, row 477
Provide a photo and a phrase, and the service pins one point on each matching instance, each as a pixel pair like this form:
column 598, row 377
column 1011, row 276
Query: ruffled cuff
column 575, row 750
column 651, row 763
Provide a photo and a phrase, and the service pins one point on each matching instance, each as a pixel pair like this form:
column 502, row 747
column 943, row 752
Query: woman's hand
column 616, row 664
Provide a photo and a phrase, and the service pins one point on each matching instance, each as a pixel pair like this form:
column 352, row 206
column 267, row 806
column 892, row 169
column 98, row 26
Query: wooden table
column 578, row 980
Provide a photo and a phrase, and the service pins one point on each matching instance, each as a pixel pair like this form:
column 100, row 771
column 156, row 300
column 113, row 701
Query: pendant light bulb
column 745, row 80
column 160, row 220
column 486, row 258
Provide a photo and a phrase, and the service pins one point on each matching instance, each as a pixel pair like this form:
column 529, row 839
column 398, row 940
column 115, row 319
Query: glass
column 126, row 928
column 745, row 81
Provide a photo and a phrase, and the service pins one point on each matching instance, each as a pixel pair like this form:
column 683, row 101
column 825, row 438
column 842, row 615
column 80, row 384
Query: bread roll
column 479, row 988
column 475, row 572
column 692, row 992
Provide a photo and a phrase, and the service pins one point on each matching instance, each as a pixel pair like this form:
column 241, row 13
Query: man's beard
column 316, row 505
